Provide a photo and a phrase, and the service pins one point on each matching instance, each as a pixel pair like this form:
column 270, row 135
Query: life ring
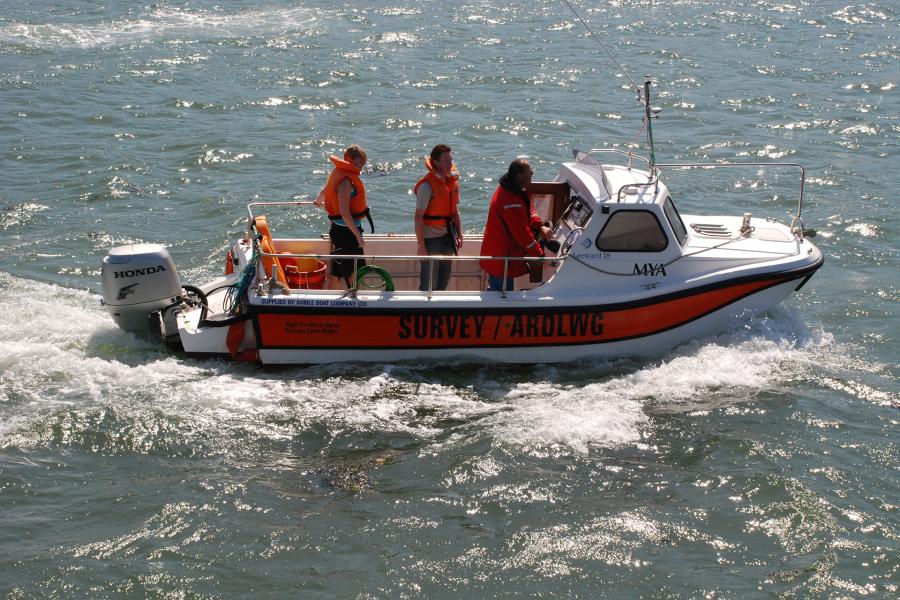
column 386, row 284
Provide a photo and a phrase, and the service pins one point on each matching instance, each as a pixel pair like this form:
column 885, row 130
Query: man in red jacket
column 512, row 227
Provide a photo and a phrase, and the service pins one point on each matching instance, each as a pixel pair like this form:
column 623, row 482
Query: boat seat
column 267, row 244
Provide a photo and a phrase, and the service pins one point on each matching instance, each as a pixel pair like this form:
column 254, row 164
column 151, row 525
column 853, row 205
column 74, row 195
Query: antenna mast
column 650, row 113
column 643, row 96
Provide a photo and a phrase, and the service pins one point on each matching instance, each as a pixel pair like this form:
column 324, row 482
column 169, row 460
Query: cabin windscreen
column 675, row 220
column 632, row 231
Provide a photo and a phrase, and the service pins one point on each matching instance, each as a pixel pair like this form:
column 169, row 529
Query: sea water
column 759, row 462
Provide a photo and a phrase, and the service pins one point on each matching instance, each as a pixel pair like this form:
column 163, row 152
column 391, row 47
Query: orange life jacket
column 358, row 208
column 444, row 194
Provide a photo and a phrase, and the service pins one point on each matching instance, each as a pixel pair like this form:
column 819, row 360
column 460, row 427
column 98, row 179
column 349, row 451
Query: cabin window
column 548, row 199
column 632, row 231
column 675, row 220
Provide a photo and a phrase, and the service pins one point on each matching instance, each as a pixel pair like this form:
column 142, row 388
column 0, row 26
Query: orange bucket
column 304, row 273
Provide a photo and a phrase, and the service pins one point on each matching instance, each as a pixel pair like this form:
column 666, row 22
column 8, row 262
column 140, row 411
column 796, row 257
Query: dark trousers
column 440, row 269
column 496, row 284
column 344, row 242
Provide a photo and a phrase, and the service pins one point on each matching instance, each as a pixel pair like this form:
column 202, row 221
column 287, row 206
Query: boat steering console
column 571, row 223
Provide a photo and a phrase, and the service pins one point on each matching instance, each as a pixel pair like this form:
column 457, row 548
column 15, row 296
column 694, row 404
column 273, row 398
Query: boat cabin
column 612, row 217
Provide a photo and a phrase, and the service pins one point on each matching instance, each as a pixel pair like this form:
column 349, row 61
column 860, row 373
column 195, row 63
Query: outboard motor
column 138, row 279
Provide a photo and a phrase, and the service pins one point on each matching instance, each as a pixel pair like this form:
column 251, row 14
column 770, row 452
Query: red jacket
column 509, row 231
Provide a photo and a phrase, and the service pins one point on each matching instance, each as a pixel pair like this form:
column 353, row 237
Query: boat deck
column 394, row 252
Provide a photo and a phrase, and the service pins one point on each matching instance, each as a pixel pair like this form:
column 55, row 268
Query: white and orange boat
column 632, row 277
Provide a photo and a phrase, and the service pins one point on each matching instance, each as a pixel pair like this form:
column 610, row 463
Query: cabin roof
column 601, row 183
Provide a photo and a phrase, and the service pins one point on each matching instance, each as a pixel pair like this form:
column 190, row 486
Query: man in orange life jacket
column 512, row 227
column 345, row 200
column 438, row 228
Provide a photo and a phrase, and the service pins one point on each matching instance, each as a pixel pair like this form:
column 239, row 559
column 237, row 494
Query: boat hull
column 288, row 335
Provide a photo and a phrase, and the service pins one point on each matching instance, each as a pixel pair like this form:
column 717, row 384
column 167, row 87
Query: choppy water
column 761, row 462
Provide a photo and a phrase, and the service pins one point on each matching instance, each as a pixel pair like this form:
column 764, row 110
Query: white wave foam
column 162, row 23
column 613, row 412
column 60, row 352
column 863, row 229
column 16, row 216
column 550, row 414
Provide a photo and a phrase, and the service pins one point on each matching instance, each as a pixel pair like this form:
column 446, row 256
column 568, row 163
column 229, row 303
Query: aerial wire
column 634, row 86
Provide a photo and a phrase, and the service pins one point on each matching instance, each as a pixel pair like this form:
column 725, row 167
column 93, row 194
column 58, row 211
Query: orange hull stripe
column 422, row 330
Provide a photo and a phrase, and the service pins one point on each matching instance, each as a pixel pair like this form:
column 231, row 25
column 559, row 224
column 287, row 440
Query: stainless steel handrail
column 654, row 175
column 430, row 258
column 634, row 185
column 388, row 257
column 746, row 164
column 280, row 203
column 274, row 203
column 717, row 165
column 617, row 151
column 410, row 257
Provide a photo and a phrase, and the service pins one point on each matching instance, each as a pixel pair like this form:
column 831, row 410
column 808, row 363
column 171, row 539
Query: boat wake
column 161, row 22
column 70, row 377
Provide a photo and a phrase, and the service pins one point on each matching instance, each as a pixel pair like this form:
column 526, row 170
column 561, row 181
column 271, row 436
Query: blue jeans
column 495, row 284
column 440, row 274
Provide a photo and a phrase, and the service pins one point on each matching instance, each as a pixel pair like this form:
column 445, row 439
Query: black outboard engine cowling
column 138, row 279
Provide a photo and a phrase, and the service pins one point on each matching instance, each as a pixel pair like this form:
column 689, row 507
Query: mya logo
column 125, row 291
column 650, row 269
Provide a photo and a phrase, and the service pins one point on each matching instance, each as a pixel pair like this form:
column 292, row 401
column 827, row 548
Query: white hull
column 632, row 278
column 652, row 345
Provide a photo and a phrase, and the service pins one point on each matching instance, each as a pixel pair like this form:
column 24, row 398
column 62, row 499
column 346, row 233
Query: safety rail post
column 802, row 181
column 505, row 271
column 354, row 287
column 430, row 276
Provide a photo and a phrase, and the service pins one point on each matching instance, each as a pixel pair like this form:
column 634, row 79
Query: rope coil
column 235, row 301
